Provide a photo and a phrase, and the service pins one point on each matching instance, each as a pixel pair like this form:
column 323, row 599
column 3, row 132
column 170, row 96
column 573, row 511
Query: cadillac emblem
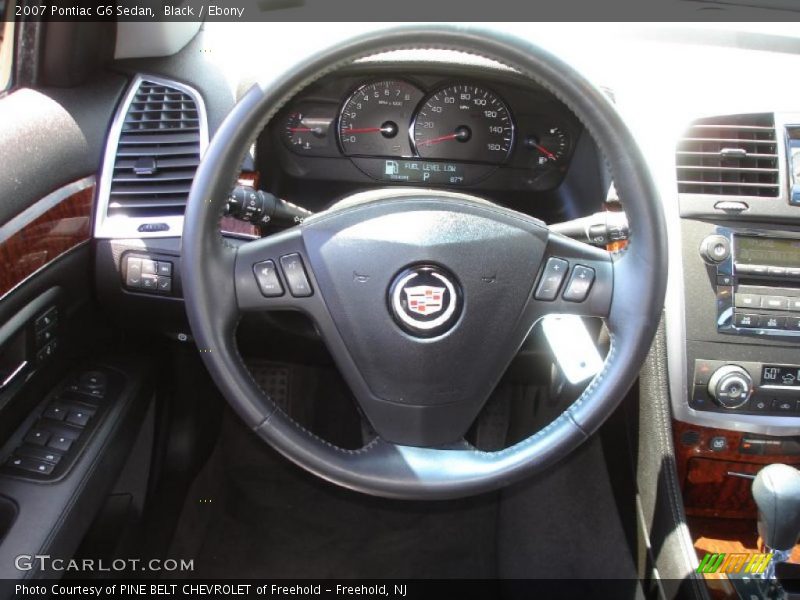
column 425, row 300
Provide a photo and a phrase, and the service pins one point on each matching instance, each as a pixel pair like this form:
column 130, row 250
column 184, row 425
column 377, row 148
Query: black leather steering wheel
column 420, row 378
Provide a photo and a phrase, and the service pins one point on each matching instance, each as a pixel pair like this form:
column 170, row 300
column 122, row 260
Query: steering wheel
column 422, row 297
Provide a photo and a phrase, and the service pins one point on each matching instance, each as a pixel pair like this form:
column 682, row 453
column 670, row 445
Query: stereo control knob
column 715, row 248
column 730, row 386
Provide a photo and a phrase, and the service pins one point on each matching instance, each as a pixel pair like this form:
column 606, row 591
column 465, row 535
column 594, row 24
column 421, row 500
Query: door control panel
column 47, row 446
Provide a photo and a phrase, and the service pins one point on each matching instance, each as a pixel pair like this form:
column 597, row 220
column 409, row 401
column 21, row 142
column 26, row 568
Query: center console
column 733, row 320
column 733, row 312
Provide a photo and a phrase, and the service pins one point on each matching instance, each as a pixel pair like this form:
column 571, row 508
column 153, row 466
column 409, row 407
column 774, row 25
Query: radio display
column 778, row 375
column 777, row 252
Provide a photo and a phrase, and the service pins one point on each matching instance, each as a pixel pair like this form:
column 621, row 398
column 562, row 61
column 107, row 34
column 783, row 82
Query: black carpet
column 253, row 514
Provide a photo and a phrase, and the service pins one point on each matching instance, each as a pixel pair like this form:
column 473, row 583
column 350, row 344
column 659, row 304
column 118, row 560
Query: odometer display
column 464, row 122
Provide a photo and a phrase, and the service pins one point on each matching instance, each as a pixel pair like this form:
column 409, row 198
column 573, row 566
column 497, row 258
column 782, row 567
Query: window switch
column 31, row 465
column 55, row 411
column 60, row 442
column 79, row 417
column 47, row 320
column 39, row 454
column 37, row 437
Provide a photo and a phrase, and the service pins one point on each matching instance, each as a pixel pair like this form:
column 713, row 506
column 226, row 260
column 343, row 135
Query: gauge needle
column 368, row 130
column 544, row 151
column 441, row 138
column 304, row 129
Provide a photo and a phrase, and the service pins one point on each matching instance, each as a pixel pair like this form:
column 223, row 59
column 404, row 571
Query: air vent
column 735, row 155
column 157, row 154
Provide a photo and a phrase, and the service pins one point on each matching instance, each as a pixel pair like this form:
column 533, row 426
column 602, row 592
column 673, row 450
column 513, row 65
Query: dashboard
column 390, row 124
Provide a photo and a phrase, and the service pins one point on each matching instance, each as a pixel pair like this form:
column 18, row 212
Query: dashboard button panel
column 147, row 274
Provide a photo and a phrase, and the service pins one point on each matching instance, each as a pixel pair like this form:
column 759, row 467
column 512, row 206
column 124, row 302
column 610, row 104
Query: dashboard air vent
column 735, row 155
column 157, row 154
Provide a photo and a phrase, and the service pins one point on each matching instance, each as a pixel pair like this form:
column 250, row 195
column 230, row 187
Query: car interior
column 497, row 302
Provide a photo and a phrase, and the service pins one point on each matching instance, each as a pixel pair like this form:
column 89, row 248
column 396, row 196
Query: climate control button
column 730, row 386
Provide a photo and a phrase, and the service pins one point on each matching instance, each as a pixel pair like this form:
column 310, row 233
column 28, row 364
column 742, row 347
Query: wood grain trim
column 702, row 468
column 720, row 510
column 43, row 232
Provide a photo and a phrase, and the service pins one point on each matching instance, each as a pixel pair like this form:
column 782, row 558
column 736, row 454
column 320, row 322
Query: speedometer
column 375, row 118
column 464, row 122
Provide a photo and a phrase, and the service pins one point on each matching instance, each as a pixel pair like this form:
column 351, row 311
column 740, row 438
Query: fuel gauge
column 305, row 133
column 551, row 145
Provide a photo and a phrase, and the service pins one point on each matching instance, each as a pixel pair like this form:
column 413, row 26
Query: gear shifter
column 776, row 491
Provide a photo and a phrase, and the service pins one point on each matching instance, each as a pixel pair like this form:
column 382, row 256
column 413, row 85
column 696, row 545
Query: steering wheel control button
column 555, row 270
column 296, row 278
column 267, row 278
column 425, row 300
column 579, row 284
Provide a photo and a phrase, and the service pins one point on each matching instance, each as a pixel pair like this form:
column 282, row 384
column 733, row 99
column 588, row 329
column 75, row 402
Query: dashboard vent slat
column 157, row 153
column 734, row 155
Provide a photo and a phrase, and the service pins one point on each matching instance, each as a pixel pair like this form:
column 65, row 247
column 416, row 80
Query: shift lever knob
column 776, row 491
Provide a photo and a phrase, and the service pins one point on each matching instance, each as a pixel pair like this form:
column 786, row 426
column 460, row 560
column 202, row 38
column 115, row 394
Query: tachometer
column 375, row 118
column 464, row 122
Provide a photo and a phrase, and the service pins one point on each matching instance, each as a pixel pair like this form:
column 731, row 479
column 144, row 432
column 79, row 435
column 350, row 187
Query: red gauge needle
column 544, row 151
column 314, row 130
column 441, row 138
column 364, row 130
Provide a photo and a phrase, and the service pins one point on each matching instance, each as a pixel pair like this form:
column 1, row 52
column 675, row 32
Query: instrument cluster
column 431, row 130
